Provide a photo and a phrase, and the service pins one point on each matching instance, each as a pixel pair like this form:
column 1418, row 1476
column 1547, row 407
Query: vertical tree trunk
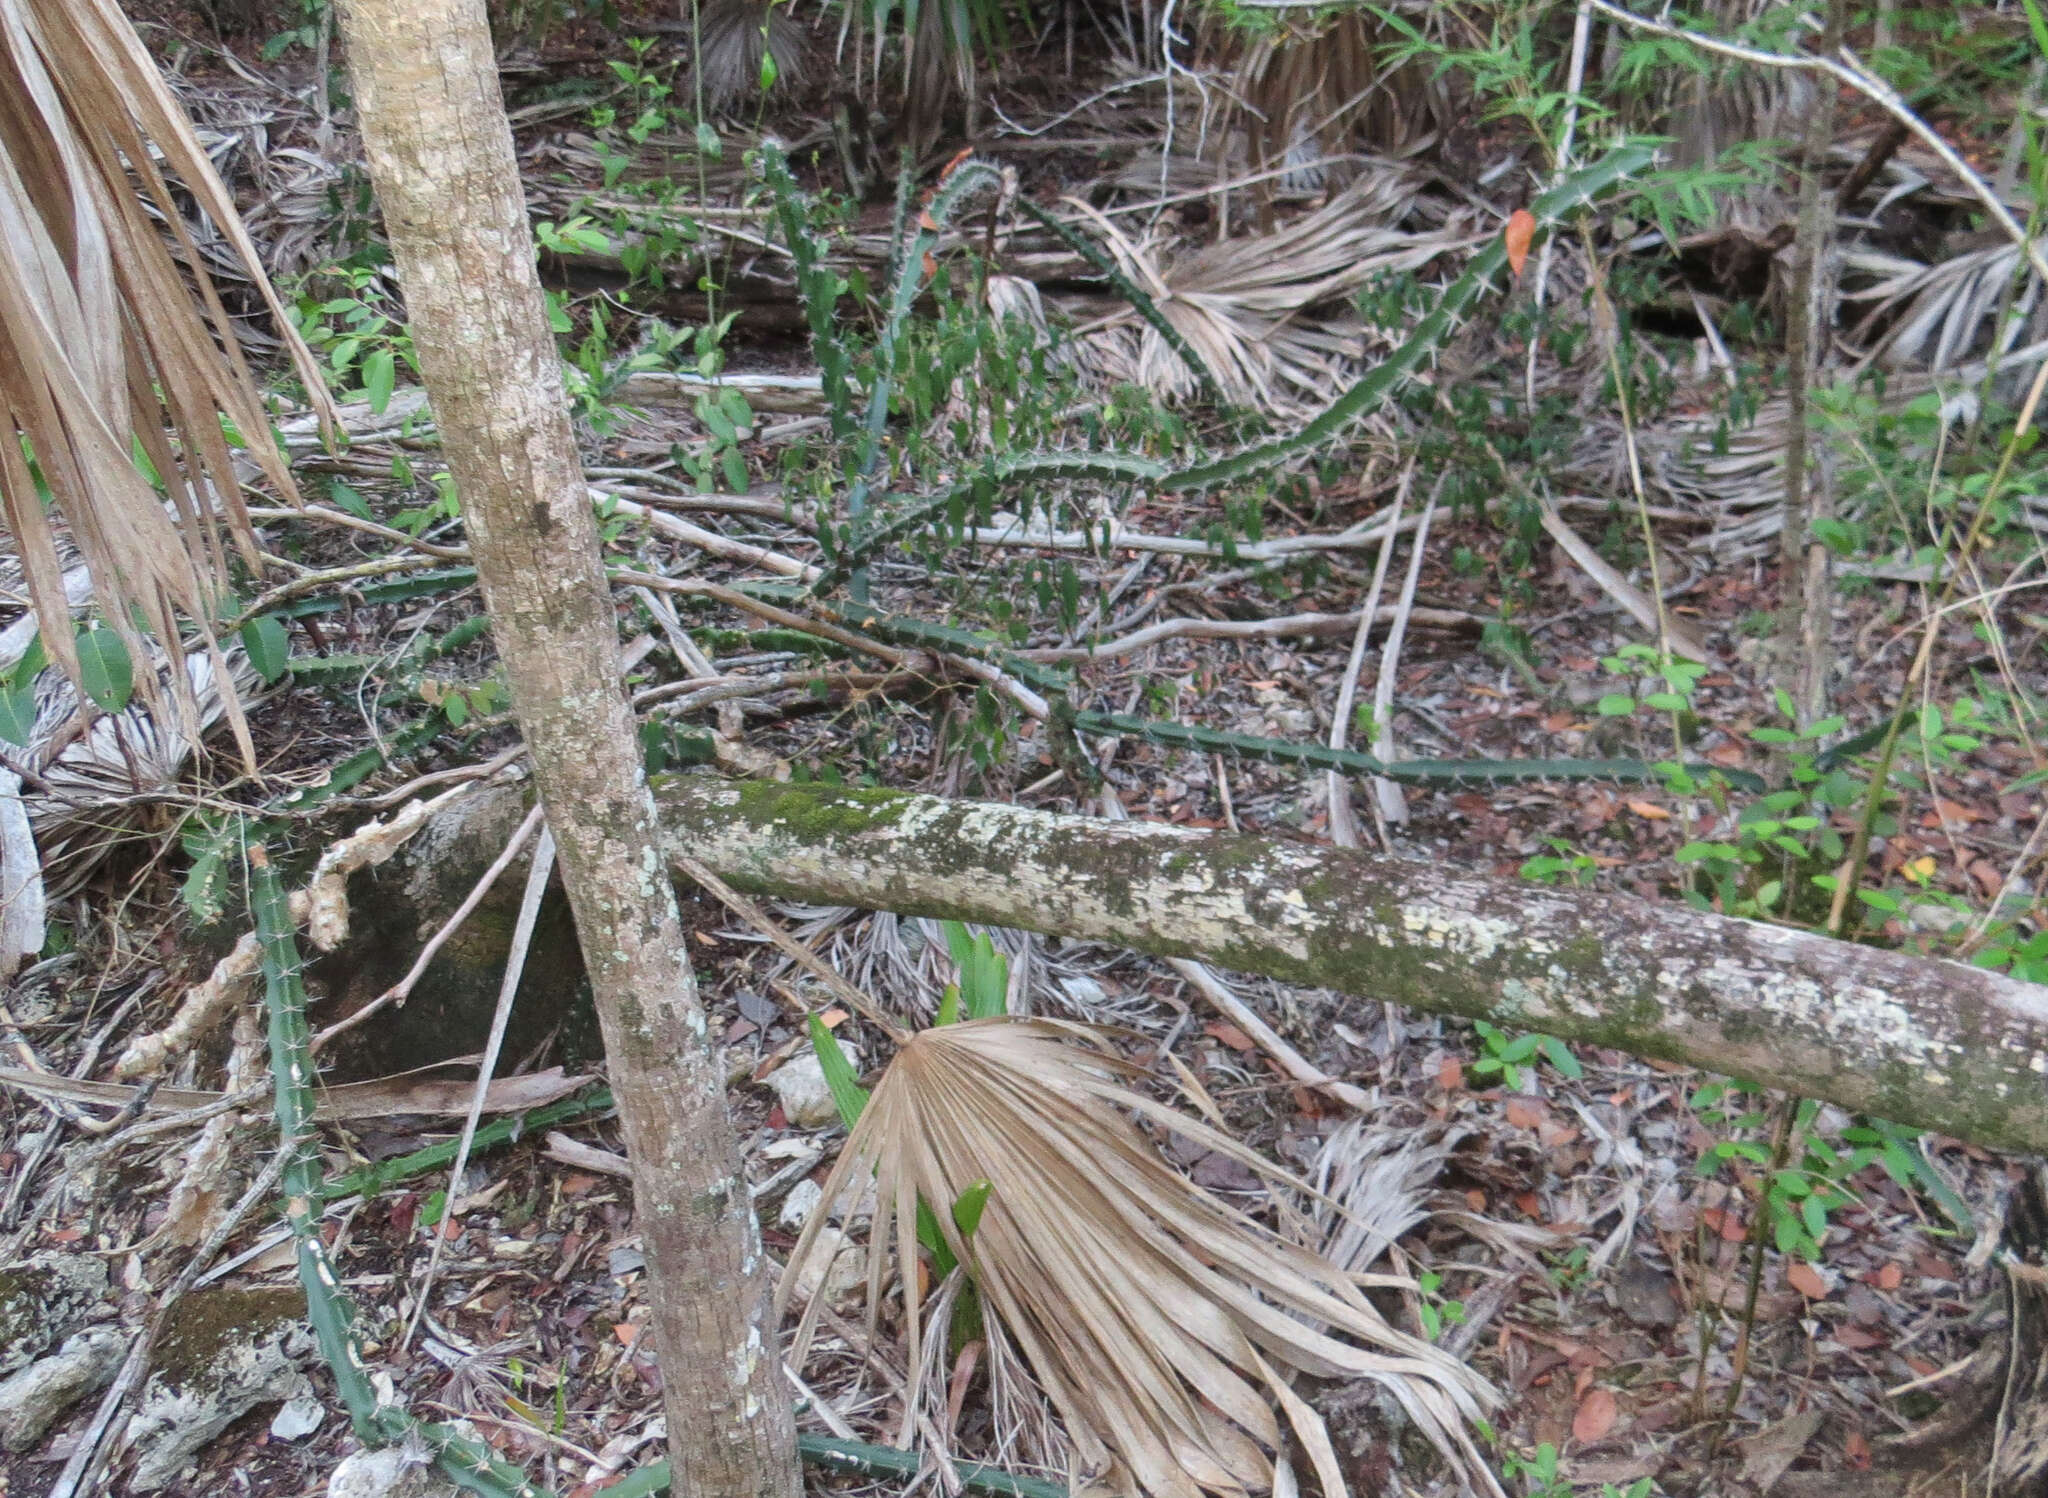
column 1805, row 605
column 441, row 159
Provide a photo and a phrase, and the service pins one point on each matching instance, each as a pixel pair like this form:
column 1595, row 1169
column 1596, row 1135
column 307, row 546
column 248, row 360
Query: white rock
column 800, row 1084
column 838, row 1263
column 393, row 1472
column 227, row 1352
column 797, row 1207
column 297, row 1418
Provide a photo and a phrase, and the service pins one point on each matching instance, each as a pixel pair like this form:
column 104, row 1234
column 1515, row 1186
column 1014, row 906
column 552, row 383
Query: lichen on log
column 1916, row 1040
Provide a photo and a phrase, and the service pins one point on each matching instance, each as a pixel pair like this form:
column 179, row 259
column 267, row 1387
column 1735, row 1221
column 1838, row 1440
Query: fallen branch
column 1916, row 1040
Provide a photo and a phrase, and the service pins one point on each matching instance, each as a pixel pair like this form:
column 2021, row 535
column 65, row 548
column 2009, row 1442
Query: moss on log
column 1916, row 1040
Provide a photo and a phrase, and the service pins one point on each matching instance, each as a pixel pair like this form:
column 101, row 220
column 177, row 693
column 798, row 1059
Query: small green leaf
column 348, row 499
column 1814, row 1212
column 32, row 660
column 269, row 647
column 1562, row 1058
column 769, row 72
column 840, row 1077
column 971, row 1204
column 18, row 712
column 708, row 141
column 456, row 706
column 104, row 666
column 380, row 378
column 1616, row 705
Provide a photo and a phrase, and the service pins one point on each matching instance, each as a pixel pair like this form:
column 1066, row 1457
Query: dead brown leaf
column 1595, row 1418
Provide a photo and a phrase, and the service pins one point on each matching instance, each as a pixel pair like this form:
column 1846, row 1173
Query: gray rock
column 223, row 1353
column 298, row 1418
column 393, row 1472
column 43, row 1300
column 36, row 1397
column 800, row 1084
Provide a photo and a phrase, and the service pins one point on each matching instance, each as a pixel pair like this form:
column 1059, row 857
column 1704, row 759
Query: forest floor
column 1579, row 1258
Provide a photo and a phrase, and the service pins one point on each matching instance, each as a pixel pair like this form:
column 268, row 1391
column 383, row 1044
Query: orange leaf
column 1804, row 1278
column 1450, row 1075
column 1520, row 230
column 1856, row 1339
column 1889, row 1276
column 1857, row 1450
column 626, row 1331
column 1524, row 1114
column 1650, row 810
column 1230, row 1035
column 1595, row 1416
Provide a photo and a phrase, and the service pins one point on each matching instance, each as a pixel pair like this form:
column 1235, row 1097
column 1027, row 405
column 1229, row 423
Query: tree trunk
column 441, row 159
column 1806, row 607
column 1912, row 1039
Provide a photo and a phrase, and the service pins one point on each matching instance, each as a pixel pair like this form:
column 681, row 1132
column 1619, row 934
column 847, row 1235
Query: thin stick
column 400, row 991
column 1391, row 804
column 1286, row 626
column 1343, row 825
column 1575, row 81
column 854, row 998
column 515, row 965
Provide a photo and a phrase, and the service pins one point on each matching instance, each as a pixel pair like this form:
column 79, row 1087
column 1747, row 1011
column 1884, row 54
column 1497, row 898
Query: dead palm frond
column 1244, row 305
column 1935, row 317
column 1734, row 478
column 1163, row 1325
column 1315, row 91
column 104, row 351
column 733, row 37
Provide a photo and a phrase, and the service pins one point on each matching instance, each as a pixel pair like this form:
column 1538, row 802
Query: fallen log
column 1919, row 1041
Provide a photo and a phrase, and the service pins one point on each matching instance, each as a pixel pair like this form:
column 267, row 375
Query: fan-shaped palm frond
column 1241, row 304
column 1164, row 1326
column 1310, row 93
column 1934, row 317
column 108, row 355
column 733, row 39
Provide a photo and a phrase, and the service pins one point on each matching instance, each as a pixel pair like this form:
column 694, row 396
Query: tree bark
column 441, row 159
column 1806, row 606
column 1912, row 1039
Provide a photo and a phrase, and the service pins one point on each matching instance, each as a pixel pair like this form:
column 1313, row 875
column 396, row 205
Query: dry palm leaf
column 1735, row 478
column 94, row 775
column 1244, row 305
column 1935, row 316
column 101, row 345
column 1163, row 1325
column 733, row 38
column 1313, row 90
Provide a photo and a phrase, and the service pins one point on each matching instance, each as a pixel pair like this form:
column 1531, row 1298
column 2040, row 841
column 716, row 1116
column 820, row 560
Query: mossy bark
column 441, row 159
column 1915, row 1040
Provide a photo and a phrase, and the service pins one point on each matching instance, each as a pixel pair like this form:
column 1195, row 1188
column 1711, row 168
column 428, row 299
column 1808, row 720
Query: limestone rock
column 800, row 1084
column 45, row 1299
column 223, row 1353
column 35, row 1398
column 393, row 1472
column 838, row 1264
